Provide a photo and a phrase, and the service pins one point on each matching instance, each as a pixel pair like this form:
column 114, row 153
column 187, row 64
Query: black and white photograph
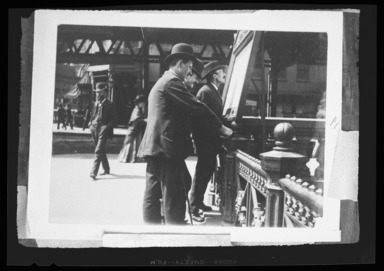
column 177, row 129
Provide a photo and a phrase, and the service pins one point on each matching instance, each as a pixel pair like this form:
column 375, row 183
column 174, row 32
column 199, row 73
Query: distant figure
column 102, row 119
column 87, row 116
column 136, row 127
column 69, row 115
column 61, row 117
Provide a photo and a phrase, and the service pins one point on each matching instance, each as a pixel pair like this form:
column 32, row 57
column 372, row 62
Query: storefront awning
column 98, row 68
column 76, row 90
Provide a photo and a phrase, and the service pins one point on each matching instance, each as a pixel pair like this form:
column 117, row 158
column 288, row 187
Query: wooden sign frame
column 233, row 112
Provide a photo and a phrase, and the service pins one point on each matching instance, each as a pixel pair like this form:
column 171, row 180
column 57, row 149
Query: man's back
column 168, row 130
column 211, row 97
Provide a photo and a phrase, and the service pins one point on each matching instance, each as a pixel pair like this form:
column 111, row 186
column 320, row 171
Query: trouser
column 100, row 137
column 61, row 121
column 70, row 123
column 206, row 164
column 170, row 181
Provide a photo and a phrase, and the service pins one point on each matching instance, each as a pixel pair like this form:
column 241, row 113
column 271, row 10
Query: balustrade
column 270, row 194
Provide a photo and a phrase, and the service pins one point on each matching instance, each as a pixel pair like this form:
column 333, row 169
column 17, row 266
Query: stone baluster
column 277, row 163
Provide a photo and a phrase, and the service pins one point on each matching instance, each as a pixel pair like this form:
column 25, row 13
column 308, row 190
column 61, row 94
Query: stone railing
column 303, row 201
column 271, row 197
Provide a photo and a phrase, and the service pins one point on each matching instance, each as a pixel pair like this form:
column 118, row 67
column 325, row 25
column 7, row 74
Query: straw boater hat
column 211, row 67
column 180, row 50
column 198, row 67
column 101, row 86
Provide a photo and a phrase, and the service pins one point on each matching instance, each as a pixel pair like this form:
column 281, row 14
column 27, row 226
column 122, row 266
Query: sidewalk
column 78, row 130
column 114, row 199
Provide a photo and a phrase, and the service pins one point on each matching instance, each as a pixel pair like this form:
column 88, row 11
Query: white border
column 43, row 81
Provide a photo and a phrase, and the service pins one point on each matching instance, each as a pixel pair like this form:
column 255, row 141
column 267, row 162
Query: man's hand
column 225, row 132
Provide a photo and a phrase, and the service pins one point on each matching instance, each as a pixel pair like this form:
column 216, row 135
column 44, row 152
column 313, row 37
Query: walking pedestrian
column 136, row 127
column 101, row 125
column 61, row 117
column 69, row 116
column 87, row 116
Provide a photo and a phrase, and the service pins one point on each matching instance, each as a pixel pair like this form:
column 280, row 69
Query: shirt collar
column 215, row 86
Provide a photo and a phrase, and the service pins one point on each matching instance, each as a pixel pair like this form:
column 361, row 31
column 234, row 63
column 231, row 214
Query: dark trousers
column 100, row 137
column 70, row 123
column 206, row 164
column 170, row 181
column 61, row 121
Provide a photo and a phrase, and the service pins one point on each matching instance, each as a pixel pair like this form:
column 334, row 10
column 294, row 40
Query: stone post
column 277, row 163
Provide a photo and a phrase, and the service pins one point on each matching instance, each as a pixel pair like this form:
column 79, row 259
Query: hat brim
column 196, row 72
column 169, row 58
column 98, row 90
column 204, row 75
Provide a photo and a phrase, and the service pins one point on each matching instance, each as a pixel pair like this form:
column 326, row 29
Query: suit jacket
column 61, row 113
column 170, row 107
column 207, row 139
column 108, row 116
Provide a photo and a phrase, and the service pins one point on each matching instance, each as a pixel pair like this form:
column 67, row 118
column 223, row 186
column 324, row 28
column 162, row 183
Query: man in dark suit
column 101, row 125
column 207, row 141
column 166, row 141
column 61, row 117
column 69, row 115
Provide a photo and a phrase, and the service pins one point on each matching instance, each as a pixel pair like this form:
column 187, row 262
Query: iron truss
column 111, row 48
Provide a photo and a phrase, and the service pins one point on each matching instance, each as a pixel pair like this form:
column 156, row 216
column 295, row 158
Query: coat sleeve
column 184, row 100
column 203, row 96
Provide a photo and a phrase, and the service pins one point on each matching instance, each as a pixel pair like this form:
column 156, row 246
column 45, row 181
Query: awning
column 73, row 93
column 76, row 90
column 97, row 68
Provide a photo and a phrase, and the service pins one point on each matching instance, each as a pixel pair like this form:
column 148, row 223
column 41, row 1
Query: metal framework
column 104, row 45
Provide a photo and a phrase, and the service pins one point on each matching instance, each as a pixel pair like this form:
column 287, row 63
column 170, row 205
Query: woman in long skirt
column 136, row 127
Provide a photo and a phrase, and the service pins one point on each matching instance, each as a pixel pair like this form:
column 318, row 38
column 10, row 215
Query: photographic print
column 225, row 129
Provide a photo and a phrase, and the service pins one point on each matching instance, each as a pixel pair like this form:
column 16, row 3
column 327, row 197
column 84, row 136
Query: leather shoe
column 104, row 173
column 197, row 217
column 93, row 177
column 205, row 208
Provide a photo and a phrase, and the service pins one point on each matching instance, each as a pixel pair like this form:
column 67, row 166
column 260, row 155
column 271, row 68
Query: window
column 282, row 75
column 302, row 72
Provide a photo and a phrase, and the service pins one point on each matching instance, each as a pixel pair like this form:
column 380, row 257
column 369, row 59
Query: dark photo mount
column 361, row 252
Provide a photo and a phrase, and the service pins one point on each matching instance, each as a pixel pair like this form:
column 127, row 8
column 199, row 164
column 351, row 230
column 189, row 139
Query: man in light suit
column 166, row 141
column 207, row 141
column 102, row 120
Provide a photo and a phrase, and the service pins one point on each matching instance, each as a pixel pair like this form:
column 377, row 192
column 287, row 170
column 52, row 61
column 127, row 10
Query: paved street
column 114, row 199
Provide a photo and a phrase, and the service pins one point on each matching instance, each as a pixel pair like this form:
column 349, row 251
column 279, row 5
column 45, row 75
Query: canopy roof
column 85, row 82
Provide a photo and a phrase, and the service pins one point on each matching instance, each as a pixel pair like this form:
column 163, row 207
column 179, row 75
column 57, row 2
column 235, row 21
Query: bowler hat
column 198, row 67
column 211, row 67
column 101, row 86
column 180, row 50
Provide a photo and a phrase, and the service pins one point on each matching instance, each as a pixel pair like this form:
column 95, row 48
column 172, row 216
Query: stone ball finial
column 283, row 134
